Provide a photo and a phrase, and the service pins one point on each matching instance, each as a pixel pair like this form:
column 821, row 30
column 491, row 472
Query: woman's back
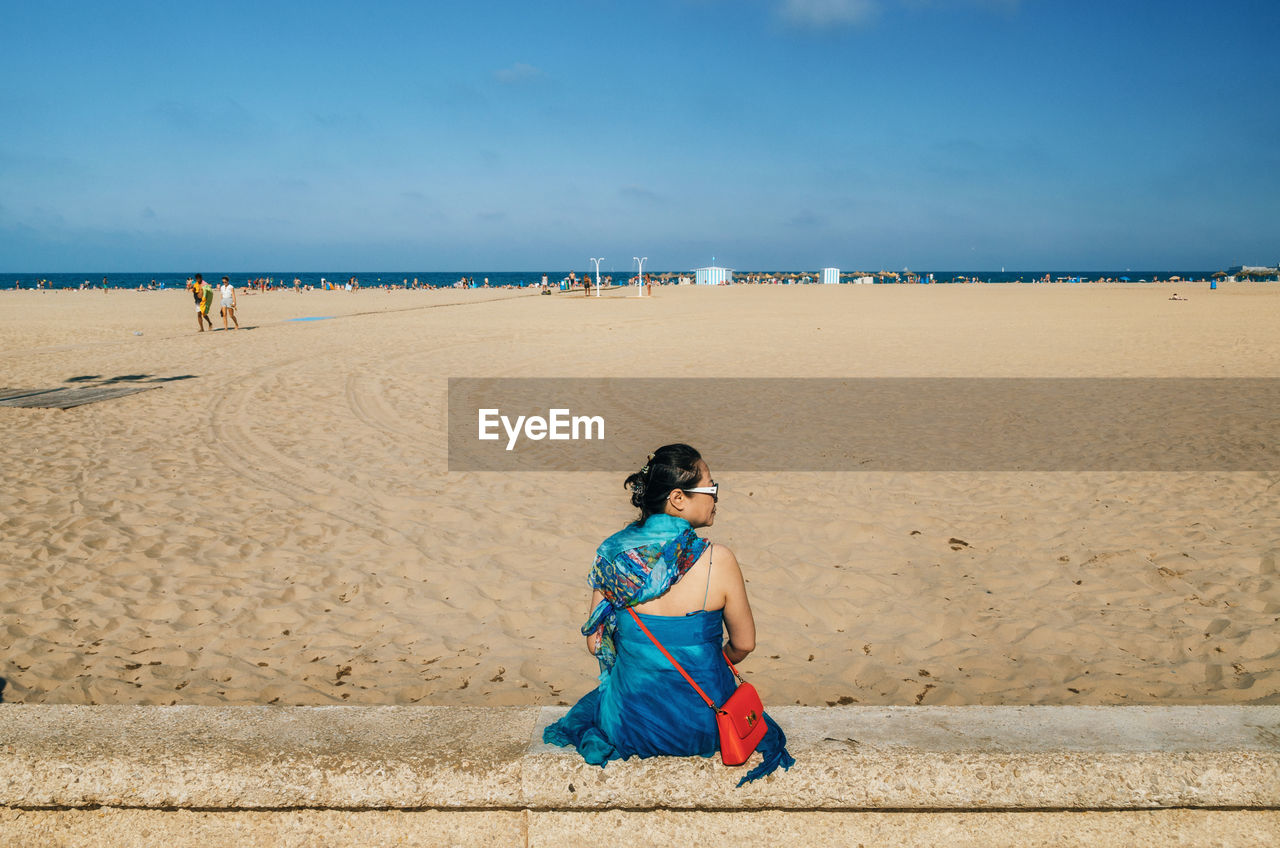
column 697, row 590
column 714, row 582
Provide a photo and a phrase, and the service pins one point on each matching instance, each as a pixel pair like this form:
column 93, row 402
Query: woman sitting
column 687, row 591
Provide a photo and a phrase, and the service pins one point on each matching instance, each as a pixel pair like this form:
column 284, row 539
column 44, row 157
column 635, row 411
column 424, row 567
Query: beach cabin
column 712, row 276
column 830, row 276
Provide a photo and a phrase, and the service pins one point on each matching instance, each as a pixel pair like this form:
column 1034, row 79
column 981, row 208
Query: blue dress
column 643, row 707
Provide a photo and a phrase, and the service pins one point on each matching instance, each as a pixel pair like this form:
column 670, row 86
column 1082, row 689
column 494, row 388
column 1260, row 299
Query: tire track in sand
column 253, row 457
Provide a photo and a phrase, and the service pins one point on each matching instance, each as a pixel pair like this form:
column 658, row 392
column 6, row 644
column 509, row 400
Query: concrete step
column 903, row 771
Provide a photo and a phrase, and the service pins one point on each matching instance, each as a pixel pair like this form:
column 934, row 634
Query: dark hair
column 668, row 468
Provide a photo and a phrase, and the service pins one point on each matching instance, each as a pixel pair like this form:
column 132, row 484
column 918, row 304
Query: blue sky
column 770, row 134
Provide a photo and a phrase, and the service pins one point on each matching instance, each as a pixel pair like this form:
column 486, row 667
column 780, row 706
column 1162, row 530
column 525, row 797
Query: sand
column 279, row 526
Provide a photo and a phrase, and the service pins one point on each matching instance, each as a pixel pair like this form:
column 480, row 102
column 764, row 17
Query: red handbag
column 740, row 719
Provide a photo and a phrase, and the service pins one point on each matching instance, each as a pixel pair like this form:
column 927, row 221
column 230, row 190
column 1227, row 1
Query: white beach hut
column 830, row 276
column 712, row 276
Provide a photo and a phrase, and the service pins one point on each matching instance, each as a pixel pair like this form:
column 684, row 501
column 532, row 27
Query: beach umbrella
column 1219, row 274
column 1124, row 279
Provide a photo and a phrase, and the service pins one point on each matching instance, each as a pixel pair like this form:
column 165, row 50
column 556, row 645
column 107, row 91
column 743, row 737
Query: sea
column 445, row 279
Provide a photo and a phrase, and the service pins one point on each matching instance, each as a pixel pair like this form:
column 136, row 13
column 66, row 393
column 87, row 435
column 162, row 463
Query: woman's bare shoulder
column 722, row 554
column 724, row 565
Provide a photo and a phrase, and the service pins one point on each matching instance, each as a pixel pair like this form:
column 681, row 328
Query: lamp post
column 597, row 261
column 640, row 276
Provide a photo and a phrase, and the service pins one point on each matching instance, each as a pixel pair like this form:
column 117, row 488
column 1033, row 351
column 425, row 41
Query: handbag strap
column 680, row 668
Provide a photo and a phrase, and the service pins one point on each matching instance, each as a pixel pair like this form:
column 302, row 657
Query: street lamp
column 640, row 276
column 597, row 261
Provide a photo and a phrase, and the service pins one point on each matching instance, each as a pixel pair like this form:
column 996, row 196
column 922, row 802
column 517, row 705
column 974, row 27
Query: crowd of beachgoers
column 255, row 284
column 573, row 282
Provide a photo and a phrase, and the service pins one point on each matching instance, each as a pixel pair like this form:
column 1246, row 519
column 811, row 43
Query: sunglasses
column 713, row 490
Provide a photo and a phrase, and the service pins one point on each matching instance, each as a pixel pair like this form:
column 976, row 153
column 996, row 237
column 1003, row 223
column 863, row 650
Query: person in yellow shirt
column 203, row 294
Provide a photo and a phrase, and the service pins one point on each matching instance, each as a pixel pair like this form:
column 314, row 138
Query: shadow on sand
column 99, row 380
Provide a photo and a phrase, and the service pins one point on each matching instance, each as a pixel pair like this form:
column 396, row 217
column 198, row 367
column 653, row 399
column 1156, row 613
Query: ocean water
column 443, row 279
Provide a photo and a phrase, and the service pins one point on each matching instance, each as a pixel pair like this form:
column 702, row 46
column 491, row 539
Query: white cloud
column 823, row 13
column 517, row 73
column 833, row 13
column 1008, row 6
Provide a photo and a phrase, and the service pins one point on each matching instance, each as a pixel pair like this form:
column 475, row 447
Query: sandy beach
column 276, row 522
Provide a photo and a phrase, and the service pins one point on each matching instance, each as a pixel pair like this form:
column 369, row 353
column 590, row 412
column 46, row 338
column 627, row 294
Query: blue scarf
column 634, row 566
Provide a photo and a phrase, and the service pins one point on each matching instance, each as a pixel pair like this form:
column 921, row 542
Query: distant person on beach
column 228, row 310
column 660, row 568
column 203, row 294
column 1176, row 296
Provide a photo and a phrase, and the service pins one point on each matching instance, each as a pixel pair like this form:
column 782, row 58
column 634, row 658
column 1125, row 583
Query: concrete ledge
column 427, row 770
column 111, row 828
